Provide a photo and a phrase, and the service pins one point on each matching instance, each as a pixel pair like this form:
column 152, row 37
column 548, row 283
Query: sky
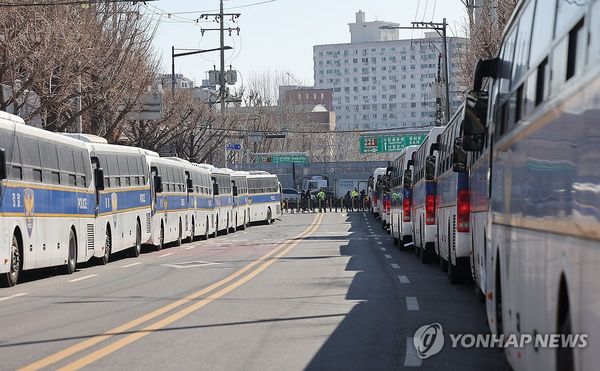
column 277, row 36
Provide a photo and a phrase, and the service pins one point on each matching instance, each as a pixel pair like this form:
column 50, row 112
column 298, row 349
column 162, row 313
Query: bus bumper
column 463, row 245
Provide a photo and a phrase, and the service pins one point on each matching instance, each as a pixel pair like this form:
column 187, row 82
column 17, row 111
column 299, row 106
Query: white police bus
column 264, row 196
column 223, row 199
column 538, row 124
column 374, row 194
column 169, row 200
column 241, row 208
column 453, row 203
column 424, row 196
column 401, row 226
column 46, row 200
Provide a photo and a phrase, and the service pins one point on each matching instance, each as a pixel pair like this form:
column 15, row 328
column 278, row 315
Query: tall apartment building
column 380, row 81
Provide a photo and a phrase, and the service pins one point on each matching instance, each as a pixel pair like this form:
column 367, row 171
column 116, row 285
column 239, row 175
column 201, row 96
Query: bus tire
column 107, row 247
column 72, row 257
column 180, row 234
column 10, row 278
column 161, row 238
column 136, row 250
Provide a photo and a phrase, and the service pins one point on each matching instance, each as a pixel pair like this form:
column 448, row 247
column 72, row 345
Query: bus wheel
column 10, row 278
column 107, row 248
column 161, row 238
column 72, row 259
column 136, row 250
column 179, row 237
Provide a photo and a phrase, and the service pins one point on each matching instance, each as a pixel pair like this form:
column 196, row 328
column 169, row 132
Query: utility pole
column 220, row 17
column 440, row 28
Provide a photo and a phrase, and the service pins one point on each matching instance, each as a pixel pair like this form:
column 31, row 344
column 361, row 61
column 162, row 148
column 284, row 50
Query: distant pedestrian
column 347, row 201
column 362, row 200
column 354, row 199
column 321, row 200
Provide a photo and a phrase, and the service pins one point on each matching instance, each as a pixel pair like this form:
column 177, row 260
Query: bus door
column 153, row 193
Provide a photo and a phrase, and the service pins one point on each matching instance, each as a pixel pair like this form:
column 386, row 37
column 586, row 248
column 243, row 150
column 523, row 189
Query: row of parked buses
column 67, row 199
column 508, row 193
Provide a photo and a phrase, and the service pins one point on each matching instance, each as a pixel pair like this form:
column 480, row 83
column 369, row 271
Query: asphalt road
column 311, row 292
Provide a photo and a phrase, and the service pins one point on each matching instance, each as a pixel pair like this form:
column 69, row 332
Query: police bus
column 374, row 195
column 453, row 203
column 401, row 191
column 223, row 199
column 424, row 194
column 199, row 216
column 169, row 200
column 46, row 200
column 538, row 124
column 264, row 196
column 122, row 199
column 241, row 208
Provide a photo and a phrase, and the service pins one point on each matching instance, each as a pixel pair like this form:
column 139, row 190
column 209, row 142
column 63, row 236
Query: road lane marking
column 382, row 249
column 165, row 255
column 376, row 237
column 110, row 348
column 379, row 242
column 395, row 266
column 193, row 247
column 83, row 278
column 131, row 265
column 403, row 279
column 388, row 256
column 409, row 244
column 76, row 348
column 13, row 296
column 411, row 303
column 411, row 359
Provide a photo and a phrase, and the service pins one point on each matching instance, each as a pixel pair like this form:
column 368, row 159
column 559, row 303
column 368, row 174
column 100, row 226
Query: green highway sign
column 388, row 142
column 281, row 158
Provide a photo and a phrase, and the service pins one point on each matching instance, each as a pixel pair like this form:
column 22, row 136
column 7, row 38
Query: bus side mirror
column 459, row 158
column 158, row 185
column 3, row 166
column 407, row 181
column 476, row 106
column 235, row 190
column 430, row 167
column 190, row 185
column 99, row 179
column 215, row 189
column 410, row 163
column 434, row 147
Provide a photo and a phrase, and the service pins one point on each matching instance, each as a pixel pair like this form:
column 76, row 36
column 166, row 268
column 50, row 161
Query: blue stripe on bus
column 46, row 201
column 259, row 199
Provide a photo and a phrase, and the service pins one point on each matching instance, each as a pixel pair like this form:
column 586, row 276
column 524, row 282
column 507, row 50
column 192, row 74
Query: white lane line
column 193, row 247
column 165, row 255
column 376, row 237
column 411, row 303
column 382, row 249
column 388, row 256
column 13, row 296
column 379, row 242
column 131, row 265
column 395, row 266
column 409, row 244
column 403, row 279
column 83, row 278
column 411, row 359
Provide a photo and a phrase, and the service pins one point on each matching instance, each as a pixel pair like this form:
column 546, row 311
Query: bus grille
column 90, row 237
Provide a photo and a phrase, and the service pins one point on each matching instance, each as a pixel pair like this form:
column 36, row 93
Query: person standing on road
column 321, row 200
column 362, row 200
column 354, row 198
column 347, row 201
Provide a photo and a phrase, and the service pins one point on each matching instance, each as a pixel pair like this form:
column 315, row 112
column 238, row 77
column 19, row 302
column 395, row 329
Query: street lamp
column 438, row 27
column 193, row 51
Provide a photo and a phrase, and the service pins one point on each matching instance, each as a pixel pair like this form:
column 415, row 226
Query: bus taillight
column 406, row 204
column 463, row 206
column 430, row 209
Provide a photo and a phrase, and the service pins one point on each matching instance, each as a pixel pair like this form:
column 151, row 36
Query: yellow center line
column 110, row 348
column 74, row 349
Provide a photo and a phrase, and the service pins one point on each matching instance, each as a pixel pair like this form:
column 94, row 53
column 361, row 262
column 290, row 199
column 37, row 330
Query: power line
column 374, row 132
column 67, row 2
column 233, row 7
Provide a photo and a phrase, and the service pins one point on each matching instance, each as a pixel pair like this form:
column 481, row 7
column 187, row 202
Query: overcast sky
column 278, row 35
